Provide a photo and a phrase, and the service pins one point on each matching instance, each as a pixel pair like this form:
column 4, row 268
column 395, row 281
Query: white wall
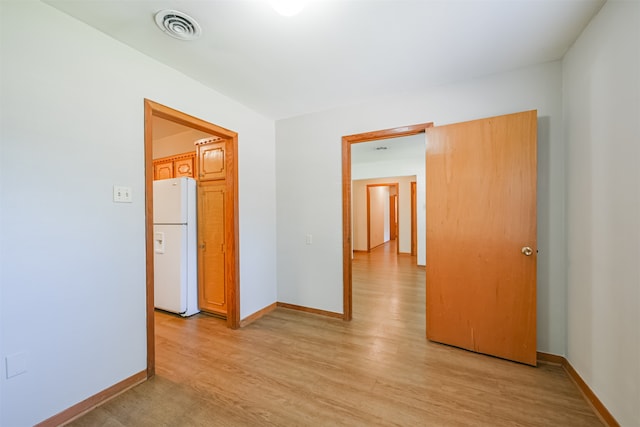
column 308, row 179
column 72, row 261
column 359, row 202
column 602, row 129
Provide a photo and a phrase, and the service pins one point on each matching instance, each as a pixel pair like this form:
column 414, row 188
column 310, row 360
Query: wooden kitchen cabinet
column 185, row 166
column 162, row 169
column 212, row 295
column 212, row 161
column 175, row 166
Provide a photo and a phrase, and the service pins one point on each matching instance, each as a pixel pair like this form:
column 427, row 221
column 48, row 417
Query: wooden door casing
column 481, row 211
column 414, row 220
column 393, row 218
column 211, row 247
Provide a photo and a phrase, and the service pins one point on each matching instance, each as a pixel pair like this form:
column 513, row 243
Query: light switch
column 122, row 194
column 309, row 239
column 158, row 239
column 16, row 364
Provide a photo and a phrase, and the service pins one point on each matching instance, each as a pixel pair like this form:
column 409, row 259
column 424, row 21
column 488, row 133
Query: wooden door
column 211, row 161
column 481, row 217
column 211, row 247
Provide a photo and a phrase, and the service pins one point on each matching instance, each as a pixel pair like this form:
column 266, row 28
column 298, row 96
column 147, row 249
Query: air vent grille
column 178, row 25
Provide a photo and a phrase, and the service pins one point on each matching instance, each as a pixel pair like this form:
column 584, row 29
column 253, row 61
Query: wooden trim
column 414, row 219
column 591, row 397
column 386, row 133
column 94, row 401
column 310, row 310
column 347, row 244
column 148, row 180
column 368, row 219
column 186, row 155
column 184, row 119
column 232, row 278
column 377, row 246
column 258, row 314
column 550, row 358
column 232, row 281
column 394, row 220
column 605, row 416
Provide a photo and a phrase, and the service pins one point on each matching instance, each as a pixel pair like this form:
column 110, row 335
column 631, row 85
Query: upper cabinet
column 207, row 163
column 175, row 166
column 162, row 169
column 211, row 161
column 185, row 166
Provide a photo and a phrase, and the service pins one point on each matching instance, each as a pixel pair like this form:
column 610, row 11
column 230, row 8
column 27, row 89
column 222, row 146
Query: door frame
column 414, row 219
column 394, row 207
column 153, row 109
column 347, row 244
column 394, row 185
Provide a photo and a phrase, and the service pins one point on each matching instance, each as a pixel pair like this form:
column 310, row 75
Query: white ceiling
column 338, row 53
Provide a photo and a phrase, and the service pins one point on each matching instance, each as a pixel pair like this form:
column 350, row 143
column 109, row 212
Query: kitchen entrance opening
column 200, row 157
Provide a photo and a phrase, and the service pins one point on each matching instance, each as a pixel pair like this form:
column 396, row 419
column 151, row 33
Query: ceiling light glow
column 287, row 7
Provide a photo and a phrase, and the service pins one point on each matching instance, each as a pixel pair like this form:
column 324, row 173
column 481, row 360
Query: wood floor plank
column 291, row 368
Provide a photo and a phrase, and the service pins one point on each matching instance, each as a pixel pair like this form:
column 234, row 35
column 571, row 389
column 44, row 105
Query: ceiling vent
column 178, row 25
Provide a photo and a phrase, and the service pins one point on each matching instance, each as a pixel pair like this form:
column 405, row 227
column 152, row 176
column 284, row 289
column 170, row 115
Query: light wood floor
column 297, row 369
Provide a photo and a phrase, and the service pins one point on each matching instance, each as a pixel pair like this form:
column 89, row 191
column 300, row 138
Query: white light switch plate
column 122, row 194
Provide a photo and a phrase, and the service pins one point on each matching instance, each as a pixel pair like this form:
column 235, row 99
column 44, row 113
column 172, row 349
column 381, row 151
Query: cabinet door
column 211, row 161
column 211, row 247
column 162, row 170
column 184, row 167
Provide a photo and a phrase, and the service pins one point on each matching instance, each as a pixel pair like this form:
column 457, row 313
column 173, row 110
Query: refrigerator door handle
column 158, row 242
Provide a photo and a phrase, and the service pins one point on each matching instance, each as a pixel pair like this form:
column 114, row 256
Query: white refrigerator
column 175, row 263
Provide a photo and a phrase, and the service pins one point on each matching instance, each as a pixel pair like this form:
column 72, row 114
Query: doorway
column 153, row 110
column 347, row 244
column 382, row 214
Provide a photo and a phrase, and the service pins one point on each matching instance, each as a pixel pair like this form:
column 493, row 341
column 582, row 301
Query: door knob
column 526, row 251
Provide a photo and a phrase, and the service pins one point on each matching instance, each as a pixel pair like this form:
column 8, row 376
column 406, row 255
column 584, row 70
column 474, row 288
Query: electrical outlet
column 309, row 239
column 16, row 364
column 122, row 194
